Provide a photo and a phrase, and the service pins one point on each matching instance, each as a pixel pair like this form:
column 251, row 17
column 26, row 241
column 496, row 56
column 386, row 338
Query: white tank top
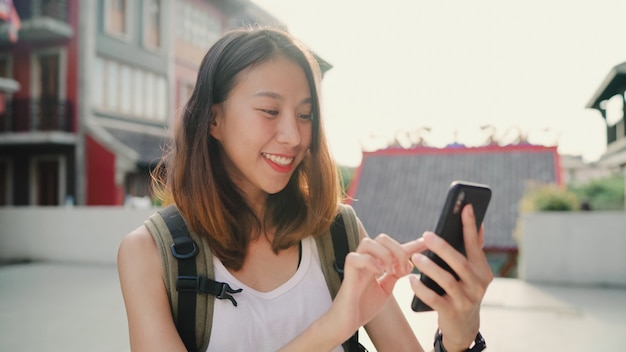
column 266, row 321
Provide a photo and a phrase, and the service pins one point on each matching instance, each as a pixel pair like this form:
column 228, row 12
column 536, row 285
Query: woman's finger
column 471, row 236
column 474, row 276
column 362, row 262
column 377, row 251
column 428, row 296
column 474, row 242
column 388, row 252
column 414, row 246
column 447, row 253
column 400, row 265
column 441, row 276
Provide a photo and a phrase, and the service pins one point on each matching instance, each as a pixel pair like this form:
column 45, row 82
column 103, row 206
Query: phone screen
column 450, row 228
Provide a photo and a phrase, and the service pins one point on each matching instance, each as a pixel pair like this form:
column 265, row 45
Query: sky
column 456, row 65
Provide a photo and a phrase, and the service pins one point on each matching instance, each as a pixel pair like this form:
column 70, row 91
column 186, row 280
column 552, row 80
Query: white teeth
column 280, row 160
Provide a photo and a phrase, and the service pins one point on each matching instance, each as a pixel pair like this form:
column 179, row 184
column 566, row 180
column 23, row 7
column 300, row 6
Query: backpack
column 188, row 271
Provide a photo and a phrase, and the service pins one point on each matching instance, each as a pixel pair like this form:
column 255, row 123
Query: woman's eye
column 269, row 112
column 306, row 116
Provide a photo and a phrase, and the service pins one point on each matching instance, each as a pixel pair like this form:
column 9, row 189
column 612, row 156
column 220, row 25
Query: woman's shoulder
column 137, row 246
column 138, row 238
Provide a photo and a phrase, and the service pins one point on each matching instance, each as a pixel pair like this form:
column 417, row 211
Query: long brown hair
column 193, row 174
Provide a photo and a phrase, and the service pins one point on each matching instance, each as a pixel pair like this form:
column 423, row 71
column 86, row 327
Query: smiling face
column 264, row 127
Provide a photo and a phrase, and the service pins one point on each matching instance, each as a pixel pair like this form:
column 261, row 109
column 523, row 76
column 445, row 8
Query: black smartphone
column 450, row 228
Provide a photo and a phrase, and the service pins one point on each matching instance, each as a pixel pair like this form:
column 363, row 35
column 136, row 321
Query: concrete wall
column 587, row 248
column 581, row 248
column 71, row 234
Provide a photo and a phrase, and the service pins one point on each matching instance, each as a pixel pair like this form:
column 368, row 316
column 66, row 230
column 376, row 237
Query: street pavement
column 71, row 307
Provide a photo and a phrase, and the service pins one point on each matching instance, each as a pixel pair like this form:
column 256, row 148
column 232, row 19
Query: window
column 112, row 86
column 116, row 17
column 56, row 9
column 47, row 177
column 152, row 24
column 48, row 72
column 6, row 182
column 5, row 66
column 129, row 91
column 97, row 89
column 138, row 84
column 6, row 71
column 197, row 27
column 48, row 75
column 161, row 98
column 138, row 184
column 125, row 89
column 149, row 96
column 48, row 88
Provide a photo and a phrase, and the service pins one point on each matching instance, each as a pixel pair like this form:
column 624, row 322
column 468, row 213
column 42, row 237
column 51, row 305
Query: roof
column 614, row 83
column 401, row 191
column 149, row 147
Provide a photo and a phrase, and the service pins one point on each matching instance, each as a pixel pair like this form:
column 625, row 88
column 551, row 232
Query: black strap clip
column 187, row 283
column 226, row 291
column 203, row 284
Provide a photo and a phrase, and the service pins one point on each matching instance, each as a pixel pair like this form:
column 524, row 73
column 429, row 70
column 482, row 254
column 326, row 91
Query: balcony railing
column 43, row 114
column 55, row 9
column 42, row 20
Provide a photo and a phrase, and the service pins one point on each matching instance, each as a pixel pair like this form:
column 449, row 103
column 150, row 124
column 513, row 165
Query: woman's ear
column 214, row 128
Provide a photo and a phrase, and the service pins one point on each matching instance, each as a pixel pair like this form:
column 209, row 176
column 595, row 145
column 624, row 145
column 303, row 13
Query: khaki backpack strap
column 204, row 267
column 343, row 237
column 326, row 249
column 352, row 227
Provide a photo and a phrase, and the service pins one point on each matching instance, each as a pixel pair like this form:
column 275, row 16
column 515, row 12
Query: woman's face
column 265, row 126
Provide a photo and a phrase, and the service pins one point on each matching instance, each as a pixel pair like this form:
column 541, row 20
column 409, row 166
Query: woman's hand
column 459, row 309
column 370, row 274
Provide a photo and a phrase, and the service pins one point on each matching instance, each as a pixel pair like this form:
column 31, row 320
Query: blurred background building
column 89, row 88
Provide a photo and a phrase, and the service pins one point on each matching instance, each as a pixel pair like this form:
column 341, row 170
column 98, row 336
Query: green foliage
column 549, row 197
column 602, row 194
column 346, row 174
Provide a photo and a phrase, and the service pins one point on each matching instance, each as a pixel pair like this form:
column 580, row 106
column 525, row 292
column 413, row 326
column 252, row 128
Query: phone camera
column 459, row 203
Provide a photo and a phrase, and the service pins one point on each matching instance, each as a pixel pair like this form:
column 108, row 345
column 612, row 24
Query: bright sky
column 456, row 65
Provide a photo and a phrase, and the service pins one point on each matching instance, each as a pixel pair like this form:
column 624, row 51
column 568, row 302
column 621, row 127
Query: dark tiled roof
column 401, row 192
column 148, row 146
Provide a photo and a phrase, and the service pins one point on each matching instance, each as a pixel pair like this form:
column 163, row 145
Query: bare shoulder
column 138, row 251
column 137, row 241
column 147, row 304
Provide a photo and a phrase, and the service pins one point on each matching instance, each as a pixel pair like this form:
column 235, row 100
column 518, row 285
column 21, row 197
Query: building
column 90, row 88
column 38, row 129
column 609, row 101
column 401, row 191
column 575, row 171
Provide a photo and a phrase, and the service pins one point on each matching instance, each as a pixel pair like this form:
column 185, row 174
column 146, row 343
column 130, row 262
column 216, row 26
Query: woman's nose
column 288, row 132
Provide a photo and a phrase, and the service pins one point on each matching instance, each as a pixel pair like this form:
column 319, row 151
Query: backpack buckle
column 187, row 283
column 181, row 249
column 203, row 284
column 226, row 291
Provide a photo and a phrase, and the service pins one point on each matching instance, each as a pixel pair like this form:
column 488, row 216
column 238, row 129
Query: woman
column 249, row 169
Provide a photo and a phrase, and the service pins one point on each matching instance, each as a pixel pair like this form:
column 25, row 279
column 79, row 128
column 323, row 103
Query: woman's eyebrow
column 270, row 95
column 277, row 96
